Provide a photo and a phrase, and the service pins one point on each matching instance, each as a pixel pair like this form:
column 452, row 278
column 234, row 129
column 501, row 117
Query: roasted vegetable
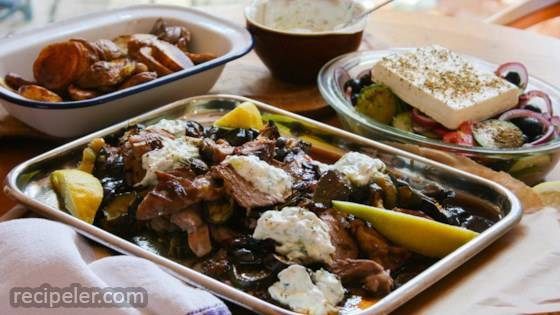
column 107, row 50
column 119, row 206
column 80, row 192
column 219, row 211
column 332, row 186
column 106, row 74
column 201, row 58
column 78, row 94
column 60, row 64
column 378, row 102
column 403, row 121
column 145, row 55
column 15, row 81
column 495, row 133
column 38, row 93
column 170, row 56
column 137, row 79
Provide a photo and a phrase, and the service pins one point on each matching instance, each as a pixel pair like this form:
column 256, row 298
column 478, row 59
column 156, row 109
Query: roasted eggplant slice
column 38, row 93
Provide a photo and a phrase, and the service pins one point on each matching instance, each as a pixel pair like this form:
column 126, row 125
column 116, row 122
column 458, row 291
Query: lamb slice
column 341, row 239
column 137, row 144
column 262, row 147
column 376, row 247
column 215, row 151
column 242, row 190
column 197, row 230
column 370, row 274
column 173, row 193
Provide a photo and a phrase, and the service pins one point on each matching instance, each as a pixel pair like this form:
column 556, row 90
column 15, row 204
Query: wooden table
column 385, row 29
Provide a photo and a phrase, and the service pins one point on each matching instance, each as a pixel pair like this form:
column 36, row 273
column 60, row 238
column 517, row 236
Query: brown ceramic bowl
column 297, row 57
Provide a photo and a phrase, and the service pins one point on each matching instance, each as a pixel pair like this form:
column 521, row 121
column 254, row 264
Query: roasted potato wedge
column 15, row 81
column 107, row 50
column 200, row 58
column 171, row 34
column 58, row 65
column 38, row 93
column 78, row 94
column 130, row 44
column 140, row 67
column 145, row 56
column 106, row 74
column 170, row 56
column 138, row 78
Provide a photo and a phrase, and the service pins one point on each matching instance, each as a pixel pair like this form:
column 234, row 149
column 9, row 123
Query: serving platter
column 26, row 184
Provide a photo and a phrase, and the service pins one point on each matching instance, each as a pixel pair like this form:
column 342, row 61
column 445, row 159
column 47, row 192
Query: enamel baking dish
column 27, row 184
column 70, row 119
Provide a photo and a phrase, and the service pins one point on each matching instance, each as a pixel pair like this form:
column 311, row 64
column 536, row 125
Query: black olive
column 354, row 86
column 365, row 80
column 244, row 256
column 533, row 108
column 354, row 98
column 194, row 129
column 530, row 127
column 513, row 78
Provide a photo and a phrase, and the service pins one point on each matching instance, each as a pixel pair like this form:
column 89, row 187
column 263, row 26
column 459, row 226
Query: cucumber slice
column 403, row 121
column 500, row 134
column 530, row 162
column 378, row 102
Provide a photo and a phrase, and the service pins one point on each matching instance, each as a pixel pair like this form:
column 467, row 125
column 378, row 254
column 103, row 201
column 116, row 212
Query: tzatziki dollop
column 264, row 177
column 359, row 168
column 167, row 158
column 317, row 293
column 176, row 127
column 303, row 237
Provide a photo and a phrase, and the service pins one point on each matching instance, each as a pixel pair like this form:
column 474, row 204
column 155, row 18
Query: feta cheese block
column 445, row 86
column 303, row 237
column 317, row 293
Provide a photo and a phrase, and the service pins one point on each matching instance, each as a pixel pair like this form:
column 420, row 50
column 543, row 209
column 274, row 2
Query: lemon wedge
column 549, row 193
column 245, row 115
column 420, row 235
column 81, row 192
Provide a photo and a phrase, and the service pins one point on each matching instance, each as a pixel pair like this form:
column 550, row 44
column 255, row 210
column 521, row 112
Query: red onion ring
column 516, row 67
column 342, row 76
column 519, row 113
column 527, row 97
column 423, row 120
column 545, row 137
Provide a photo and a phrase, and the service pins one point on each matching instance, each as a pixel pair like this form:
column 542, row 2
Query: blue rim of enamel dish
column 135, row 89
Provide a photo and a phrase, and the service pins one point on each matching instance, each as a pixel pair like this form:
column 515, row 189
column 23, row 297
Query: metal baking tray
column 25, row 183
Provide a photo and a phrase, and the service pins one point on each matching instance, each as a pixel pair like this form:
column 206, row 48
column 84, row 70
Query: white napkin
column 34, row 252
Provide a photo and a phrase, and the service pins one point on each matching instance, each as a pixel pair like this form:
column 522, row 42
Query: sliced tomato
column 459, row 137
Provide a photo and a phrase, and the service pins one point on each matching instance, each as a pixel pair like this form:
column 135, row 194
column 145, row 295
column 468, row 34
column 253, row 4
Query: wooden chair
column 524, row 14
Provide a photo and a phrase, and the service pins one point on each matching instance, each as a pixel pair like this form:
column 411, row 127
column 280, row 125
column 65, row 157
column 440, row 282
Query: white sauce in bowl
column 305, row 16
